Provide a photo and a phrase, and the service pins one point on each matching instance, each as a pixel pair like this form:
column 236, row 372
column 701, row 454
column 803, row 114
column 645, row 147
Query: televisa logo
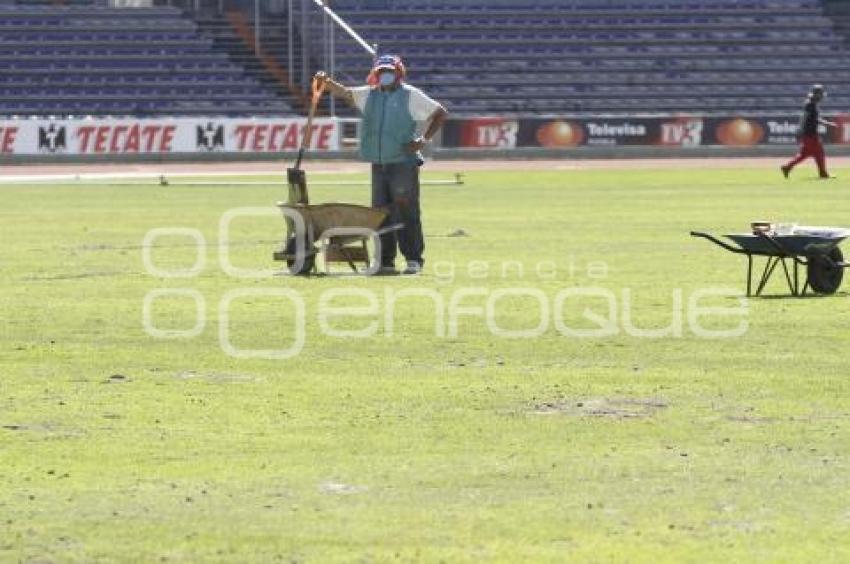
column 625, row 129
column 781, row 127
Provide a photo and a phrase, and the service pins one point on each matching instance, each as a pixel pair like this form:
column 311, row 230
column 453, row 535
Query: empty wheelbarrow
column 815, row 248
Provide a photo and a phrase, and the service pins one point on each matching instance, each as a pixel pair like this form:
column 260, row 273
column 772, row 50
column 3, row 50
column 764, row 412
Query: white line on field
column 89, row 176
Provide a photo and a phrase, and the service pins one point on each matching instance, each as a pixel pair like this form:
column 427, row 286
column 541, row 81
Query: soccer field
column 552, row 392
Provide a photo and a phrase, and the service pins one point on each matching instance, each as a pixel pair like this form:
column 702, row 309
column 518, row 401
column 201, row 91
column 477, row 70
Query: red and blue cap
column 386, row 62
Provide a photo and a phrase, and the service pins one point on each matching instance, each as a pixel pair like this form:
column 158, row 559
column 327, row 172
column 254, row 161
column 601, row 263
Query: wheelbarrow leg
column 796, row 290
column 792, row 287
column 366, row 254
column 796, row 278
column 764, row 276
column 767, row 273
column 348, row 259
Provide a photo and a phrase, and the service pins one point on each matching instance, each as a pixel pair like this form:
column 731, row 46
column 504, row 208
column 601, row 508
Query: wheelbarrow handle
column 718, row 242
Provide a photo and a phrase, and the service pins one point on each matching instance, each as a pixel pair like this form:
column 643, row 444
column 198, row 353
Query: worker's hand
column 321, row 78
column 415, row 145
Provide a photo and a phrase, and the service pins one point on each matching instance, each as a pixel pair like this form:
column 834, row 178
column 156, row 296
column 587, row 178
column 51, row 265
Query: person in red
column 810, row 144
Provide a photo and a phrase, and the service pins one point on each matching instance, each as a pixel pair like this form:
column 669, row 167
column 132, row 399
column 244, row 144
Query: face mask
column 386, row 78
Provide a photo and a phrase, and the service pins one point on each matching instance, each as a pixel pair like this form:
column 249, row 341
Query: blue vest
column 386, row 127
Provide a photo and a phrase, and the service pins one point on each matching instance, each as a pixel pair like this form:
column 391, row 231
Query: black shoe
column 387, row 268
column 386, row 271
column 785, row 171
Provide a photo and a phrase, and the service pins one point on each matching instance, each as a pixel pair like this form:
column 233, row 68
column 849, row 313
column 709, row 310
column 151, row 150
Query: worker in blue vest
column 389, row 139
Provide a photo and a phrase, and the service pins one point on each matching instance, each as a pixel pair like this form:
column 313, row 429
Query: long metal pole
column 325, row 40
column 257, row 26
column 333, row 66
column 291, row 42
column 346, row 27
column 306, row 36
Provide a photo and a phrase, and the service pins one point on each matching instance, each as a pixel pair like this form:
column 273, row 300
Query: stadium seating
column 86, row 59
column 500, row 56
column 610, row 56
column 274, row 42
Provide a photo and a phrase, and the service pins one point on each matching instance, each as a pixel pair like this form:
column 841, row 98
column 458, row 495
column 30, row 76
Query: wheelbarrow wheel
column 309, row 259
column 824, row 272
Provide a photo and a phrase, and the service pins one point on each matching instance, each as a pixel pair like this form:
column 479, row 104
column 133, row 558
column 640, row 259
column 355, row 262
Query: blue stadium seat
column 91, row 60
column 614, row 56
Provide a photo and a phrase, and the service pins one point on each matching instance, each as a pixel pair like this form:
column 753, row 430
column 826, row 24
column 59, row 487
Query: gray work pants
column 396, row 186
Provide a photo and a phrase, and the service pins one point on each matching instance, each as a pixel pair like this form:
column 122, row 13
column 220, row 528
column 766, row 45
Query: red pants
column 810, row 146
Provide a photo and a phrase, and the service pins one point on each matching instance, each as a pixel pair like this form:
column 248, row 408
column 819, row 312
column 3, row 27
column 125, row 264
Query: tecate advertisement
column 163, row 136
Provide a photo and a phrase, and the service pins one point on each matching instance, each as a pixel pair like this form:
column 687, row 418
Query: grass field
column 416, row 443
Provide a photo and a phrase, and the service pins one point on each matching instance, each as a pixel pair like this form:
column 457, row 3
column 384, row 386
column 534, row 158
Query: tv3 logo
column 497, row 134
column 686, row 133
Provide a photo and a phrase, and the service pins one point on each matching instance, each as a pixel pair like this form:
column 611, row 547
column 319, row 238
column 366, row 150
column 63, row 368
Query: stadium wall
column 213, row 138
